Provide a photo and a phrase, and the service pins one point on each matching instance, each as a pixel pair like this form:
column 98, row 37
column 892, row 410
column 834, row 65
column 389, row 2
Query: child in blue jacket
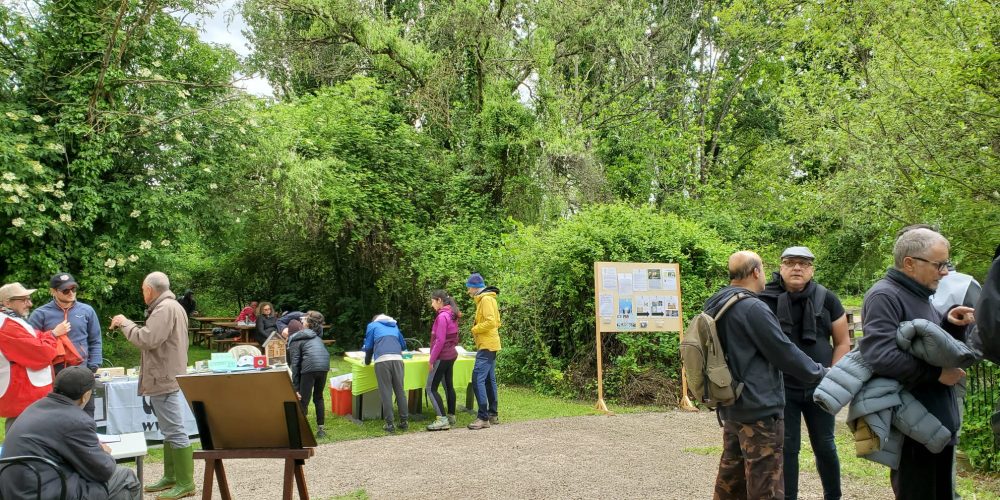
column 385, row 344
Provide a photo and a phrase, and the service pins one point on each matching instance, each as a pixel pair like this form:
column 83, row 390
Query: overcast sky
column 216, row 29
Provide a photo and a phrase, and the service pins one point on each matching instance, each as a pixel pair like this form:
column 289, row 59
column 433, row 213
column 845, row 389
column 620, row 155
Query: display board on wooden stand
column 249, row 415
column 636, row 297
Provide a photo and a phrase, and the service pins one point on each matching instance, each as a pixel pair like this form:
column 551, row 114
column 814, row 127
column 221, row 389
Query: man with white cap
column 25, row 352
column 811, row 317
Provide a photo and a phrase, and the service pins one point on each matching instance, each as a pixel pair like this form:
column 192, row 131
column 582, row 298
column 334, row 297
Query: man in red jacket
column 25, row 354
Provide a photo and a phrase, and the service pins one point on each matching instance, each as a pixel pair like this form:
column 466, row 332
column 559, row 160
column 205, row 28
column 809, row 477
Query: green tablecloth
column 414, row 374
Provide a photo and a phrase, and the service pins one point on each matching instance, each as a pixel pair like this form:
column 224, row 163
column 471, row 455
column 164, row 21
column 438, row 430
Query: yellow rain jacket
column 486, row 328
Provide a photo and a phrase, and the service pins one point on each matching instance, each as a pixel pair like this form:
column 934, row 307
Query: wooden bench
column 224, row 344
column 854, row 325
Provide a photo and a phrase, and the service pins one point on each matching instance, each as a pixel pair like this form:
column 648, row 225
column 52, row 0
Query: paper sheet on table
column 109, row 438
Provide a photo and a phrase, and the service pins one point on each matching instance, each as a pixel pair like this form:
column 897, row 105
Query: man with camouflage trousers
column 757, row 352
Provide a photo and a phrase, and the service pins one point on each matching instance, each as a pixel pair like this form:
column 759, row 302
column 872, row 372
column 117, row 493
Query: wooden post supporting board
column 636, row 297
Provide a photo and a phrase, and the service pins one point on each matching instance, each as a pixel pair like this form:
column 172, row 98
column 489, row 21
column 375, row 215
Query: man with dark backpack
column 757, row 353
column 813, row 318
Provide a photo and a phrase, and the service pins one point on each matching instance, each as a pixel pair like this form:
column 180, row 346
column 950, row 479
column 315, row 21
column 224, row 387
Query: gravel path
column 623, row 456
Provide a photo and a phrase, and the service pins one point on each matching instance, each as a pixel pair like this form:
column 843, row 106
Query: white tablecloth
column 127, row 412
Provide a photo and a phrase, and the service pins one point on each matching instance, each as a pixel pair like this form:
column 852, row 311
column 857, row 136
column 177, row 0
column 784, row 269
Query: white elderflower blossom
column 165, row 243
column 59, row 184
column 110, row 263
column 41, row 208
column 213, row 186
column 58, row 193
column 11, row 115
column 65, row 217
column 133, row 258
column 120, row 262
column 14, row 199
column 7, row 187
column 18, row 222
column 36, row 167
column 38, row 233
column 134, row 214
column 38, row 119
column 67, row 206
column 146, row 245
column 9, row 176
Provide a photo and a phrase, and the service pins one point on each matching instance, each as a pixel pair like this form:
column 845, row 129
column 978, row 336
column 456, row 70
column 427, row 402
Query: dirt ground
column 671, row 455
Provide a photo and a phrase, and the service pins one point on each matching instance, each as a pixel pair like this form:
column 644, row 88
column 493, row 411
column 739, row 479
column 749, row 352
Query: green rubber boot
column 184, row 473
column 168, row 472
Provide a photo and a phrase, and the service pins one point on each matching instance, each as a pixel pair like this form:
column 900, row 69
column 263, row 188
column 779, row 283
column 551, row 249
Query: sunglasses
column 68, row 291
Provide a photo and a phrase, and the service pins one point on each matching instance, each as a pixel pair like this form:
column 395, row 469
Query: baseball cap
column 11, row 290
column 73, row 382
column 802, row 252
column 62, row 281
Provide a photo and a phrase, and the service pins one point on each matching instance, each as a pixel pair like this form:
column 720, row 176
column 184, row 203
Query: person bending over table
column 384, row 342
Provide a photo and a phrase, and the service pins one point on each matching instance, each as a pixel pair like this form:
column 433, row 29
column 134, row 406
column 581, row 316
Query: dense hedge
column 546, row 278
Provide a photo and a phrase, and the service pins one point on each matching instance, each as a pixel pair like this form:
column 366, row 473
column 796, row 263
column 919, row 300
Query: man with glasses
column 85, row 333
column 25, row 353
column 920, row 260
column 811, row 317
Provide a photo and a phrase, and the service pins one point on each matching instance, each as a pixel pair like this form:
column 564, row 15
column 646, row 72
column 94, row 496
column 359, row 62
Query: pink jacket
column 444, row 336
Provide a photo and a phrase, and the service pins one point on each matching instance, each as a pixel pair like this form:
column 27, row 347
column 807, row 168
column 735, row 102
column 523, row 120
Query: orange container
column 340, row 401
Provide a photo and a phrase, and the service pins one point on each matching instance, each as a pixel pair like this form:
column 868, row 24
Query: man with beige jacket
column 163, row 342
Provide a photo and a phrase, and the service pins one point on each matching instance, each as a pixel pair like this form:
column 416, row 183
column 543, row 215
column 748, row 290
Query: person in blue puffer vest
column 385, row 344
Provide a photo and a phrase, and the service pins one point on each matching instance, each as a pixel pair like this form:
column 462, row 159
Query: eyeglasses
column 20, row 299
column 68, row 291
column 792, row 264
column 941, row 266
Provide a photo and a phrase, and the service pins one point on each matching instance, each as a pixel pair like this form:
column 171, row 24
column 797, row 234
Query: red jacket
column 247, row 314
column 25, row 365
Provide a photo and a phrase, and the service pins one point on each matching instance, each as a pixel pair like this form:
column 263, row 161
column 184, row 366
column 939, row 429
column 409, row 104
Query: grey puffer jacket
column 932, row 344
column 921, row 338
column 888, row 410
column 892, row 413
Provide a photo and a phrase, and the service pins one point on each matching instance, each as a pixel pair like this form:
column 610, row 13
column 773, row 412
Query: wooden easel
column 295, row 455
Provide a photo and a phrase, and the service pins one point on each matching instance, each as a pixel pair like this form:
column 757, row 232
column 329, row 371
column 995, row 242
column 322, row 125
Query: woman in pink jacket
column 444, row 338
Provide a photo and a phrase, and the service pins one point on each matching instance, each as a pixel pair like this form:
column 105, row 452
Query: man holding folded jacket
column 920, row 261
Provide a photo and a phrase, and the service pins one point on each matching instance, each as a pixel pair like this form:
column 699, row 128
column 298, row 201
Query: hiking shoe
column 321, row 432
column 439, row 424
column 479, row 424
column 494, row 420
column 389, row 429
column 404, row 425
column 451, row 420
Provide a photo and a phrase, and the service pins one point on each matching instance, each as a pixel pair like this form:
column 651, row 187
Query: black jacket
column 758, row 352
column 55, row 428
column 307, row 354
column 887, row 304
column 265, row 326
column 986, row 336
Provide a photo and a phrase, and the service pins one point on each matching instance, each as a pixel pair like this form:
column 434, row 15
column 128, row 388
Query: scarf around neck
column 776, row 288
column 909, row 283
column 10, row 312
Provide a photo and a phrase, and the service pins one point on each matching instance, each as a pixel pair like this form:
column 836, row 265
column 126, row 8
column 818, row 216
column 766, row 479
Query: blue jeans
column 484, row 376
column 820, row 424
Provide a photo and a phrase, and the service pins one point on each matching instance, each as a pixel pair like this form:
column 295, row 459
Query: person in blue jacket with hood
column 385, row 344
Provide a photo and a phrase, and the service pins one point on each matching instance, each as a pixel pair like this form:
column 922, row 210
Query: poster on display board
column 637, row 297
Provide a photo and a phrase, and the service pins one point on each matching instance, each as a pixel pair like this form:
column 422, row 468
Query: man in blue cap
column 486, row 333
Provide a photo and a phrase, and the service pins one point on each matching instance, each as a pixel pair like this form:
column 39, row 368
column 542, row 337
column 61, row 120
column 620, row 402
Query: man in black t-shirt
column 811, row 317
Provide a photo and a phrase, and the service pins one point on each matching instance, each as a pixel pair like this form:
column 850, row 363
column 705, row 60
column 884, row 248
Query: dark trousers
column 820, row 424
column 389, row 375
column 923, row 475
column 442, row 372
column 313, row 383
column 750, row 467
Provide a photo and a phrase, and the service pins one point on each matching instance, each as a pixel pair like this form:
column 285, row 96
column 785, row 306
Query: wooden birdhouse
column 274, row 349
